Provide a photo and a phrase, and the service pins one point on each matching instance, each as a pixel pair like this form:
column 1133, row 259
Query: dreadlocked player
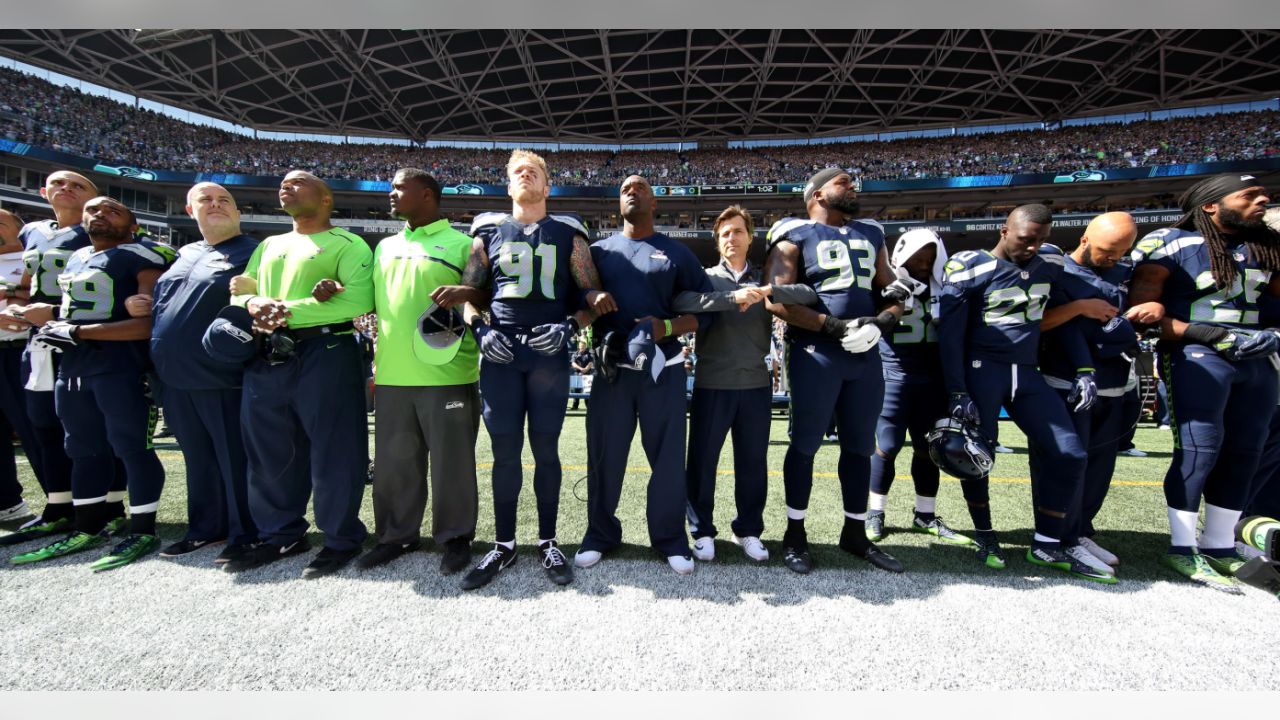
column 1205, row 275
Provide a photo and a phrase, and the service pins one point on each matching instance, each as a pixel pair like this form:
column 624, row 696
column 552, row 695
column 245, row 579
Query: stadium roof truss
column 629, row 86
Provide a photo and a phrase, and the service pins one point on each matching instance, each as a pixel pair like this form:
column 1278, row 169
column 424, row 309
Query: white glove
column 860, row 338
column 904, row 288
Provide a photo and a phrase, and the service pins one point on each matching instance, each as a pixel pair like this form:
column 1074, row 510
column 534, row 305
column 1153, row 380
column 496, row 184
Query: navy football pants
column 1100, row 430
column 1038, row 411
column 909, row 407
column 13, row 419
column 715, row 413
column 106, row 415
column 1220, row 413
column 615, row 409
column 534, row 386
column 305, row 430
column 829, row 381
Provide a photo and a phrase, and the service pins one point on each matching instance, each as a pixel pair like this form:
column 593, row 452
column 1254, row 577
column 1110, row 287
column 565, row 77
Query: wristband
column 1205, row 334
column 476, row 321
column 666, row 324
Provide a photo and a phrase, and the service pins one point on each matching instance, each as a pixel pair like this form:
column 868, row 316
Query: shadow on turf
column 729, row 579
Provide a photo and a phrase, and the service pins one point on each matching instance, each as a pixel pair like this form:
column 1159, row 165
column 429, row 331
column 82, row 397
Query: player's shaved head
column 206, row 187
column 1106, row 240
column 305, row 195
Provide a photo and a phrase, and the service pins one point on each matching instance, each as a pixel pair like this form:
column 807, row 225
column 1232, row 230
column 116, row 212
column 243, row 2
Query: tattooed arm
column 587, row 278
column 476, row 277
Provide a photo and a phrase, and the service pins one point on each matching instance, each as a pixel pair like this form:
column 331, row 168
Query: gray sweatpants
column 412, row 424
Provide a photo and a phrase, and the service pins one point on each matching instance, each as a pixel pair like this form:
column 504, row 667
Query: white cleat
column 1085, row 557
column 1099, row 552
column 704, row 548
column 754, row 549
column 1132, row 452
column 1002, row 449
column 17, row 511
column 587, row 558
column 682, row 564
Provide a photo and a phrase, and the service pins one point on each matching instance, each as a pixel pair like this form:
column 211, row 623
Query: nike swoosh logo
column 289, row 547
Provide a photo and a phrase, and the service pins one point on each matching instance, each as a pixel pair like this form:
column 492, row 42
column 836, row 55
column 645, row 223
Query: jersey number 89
column 1014, row 306
column 836, row 255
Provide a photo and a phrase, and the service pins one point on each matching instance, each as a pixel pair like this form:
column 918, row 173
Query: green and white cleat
column 75, row 543
column 988, row 549
column 128, row 550
column 875, row 525
column 1059, row 559
column 939, row 529
column 37, row 529
column 1225, row 566
column 116, row 526
column 1196, row 568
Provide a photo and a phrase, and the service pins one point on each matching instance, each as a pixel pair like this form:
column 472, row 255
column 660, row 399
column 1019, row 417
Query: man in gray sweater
column 732, row 387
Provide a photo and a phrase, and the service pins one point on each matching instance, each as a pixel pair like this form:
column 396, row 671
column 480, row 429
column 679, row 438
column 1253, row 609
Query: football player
column 990, row 310
column 914, row 396
column 1101, row 261
column 1204, row 277
column 536, row 269
column 831, row 365
column 13, row 402
column 47, row 246
column 102, row 395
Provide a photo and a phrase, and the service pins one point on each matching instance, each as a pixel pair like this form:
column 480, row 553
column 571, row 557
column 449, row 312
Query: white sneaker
column 1002, row 449
column 1163, row 427
column 587, row 558
column 1084, row 556
column 1132, row 452
column 1099, row 552
column 704, row 548
column 752, row 546
column 682, row 564
column 17, row 511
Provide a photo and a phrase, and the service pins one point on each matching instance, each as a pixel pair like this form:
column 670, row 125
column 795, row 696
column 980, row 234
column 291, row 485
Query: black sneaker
column 329, row 561
column 853, row 540
column 555, row 563
column 1059, row 559
column 383, row 553
column 988, row 549
column 457, row 555
column 36, row 529
column 185, row 547
column 266, row 553
column 233, row 551
column 494, row 562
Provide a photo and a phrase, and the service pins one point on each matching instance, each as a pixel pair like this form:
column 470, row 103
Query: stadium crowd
column 69, row 120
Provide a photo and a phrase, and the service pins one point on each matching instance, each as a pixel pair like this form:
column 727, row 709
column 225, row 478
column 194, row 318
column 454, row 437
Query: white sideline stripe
column 974, row 272
column 148, row 508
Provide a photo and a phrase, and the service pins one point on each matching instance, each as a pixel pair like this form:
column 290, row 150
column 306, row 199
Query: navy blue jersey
column 187, row 297
column 531, row 268
column 1111, row 285
column 94, row 288
column 910, row 353
column 46, row 249
column 1189, row 292
column 990, row 309
column 644, row 276
column 838, row 262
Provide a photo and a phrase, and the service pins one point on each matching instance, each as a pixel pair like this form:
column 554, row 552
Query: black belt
column 308, row 333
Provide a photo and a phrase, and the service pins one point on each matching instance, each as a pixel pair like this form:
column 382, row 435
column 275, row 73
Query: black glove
column 835, row 327
column 494, row 346
column 58, row 336
column 551, row 338
column 1233, row 344
column 963, row 408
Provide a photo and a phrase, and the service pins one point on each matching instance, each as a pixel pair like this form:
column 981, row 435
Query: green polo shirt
column 287, row 267
column 407, row 268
